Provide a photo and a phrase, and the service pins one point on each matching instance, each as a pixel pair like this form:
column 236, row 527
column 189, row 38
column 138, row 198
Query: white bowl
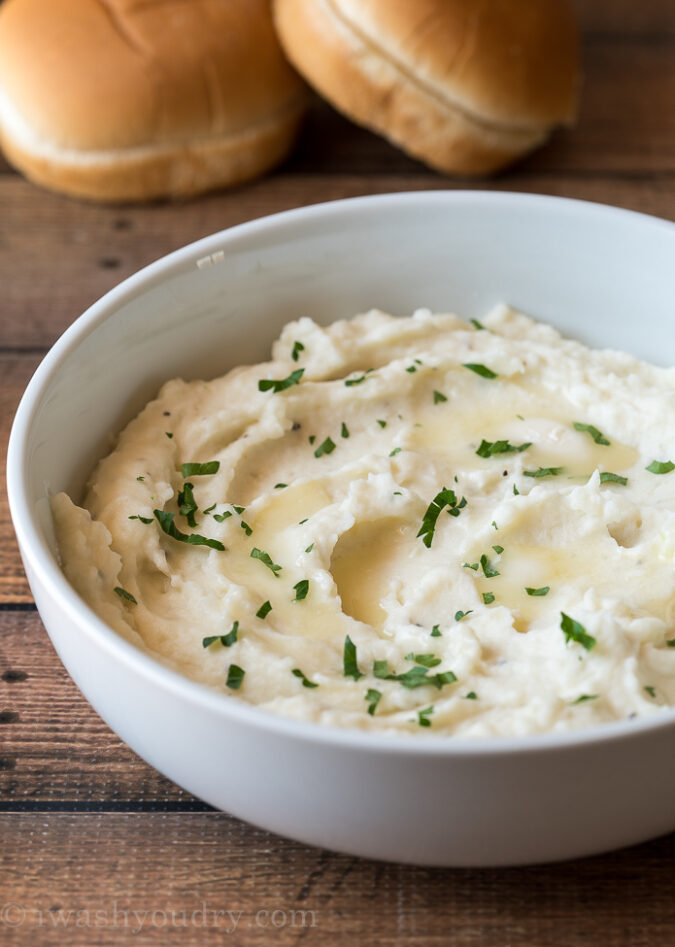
column 603, row 275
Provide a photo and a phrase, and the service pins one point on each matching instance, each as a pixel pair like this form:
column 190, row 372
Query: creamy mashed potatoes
column 415, row 525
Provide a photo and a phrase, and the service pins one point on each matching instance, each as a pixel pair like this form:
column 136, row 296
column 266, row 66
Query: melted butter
column 365, row 560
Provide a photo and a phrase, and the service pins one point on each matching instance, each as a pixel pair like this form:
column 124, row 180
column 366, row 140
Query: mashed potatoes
column 415, row 525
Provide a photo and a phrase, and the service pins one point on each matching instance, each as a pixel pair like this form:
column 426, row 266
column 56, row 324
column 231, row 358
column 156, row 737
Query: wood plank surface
column 100, row 849
column 107, row 879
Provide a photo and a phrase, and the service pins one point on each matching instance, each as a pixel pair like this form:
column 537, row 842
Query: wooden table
column 97, row 847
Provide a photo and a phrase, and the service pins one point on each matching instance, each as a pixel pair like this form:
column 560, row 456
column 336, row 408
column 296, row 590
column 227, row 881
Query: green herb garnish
column 439, row 397
column 417, row 676
column 470, row 565
column 264, row 610
column 442, row 499
column 670, row 643
column 491, row 448
column 436, row 632
column 219, row 517
column 344, row 430
column 310, row 547
column 247, row 529
column 226, row 640
column 425, row 660
column 280, row 486
column 650, row 690
column 235, row 676
column 574, row 631
column 489, row 570
column 607, row 477
column 200, row 470
column 381, row 422
column 373, row 698
column 349, row 382
column 143, row 519
column 169, row 434
column 349, row 663
column 597, row 435
column 395, row 451
column 423, row 716
column 280, row 384
column 297, row 348
column 209, row 509
column 325, row 447
column 186, row 503
column 481, row 370
column 498, row 549
column 301, row 589
column 661, row 466
column 584, row 697
column 488, row 598
column 305, row 681
column 460, row 615
column 266, row 560
column 516, row 491
column 477, row 325
column 544, row 472
column 127, row 596
column 472, row 695
column 538, row 593
column 165, row 520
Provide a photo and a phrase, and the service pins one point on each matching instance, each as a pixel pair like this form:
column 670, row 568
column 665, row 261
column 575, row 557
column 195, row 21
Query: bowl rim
column 34, row 546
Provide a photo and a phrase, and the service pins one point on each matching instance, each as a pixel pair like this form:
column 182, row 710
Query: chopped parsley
column 490, row 448
column 219, row 517
column 200, row 470
column 349, row 382
column 516, row 491
column 423, row 716
column 538, row 593
column 141, row 479
column 489, row 570
column 650, row 690
column 381, row 422
column 460, row 615
column 479, row 369
column 373, row 698
column 670, row 643
column 186, row 503
column 280, row 384
column 209, row 509
column 280, row 486
column 143, row 519
column 470, row 565
column 442, row 499
column 238, row 509
column 344, row 430
column 597, row 435
column 607, row 477
column 235, row 677
column 165, row 520
column 439, row 397
column 325, row 447
column 411, row 368
column 301, row 589
column 585, row 697
column 305, row 681
column 477, row 325
column 226, row 640
column 435, row 632
column 472, row 695
column 417, row 676
column 661, row 466
column 297, row 348
column 127, row 596
column 311, row 438
column 488, row 598
column 349, row 663
column 310, row 547
column 266, row 560
column 574, row 631
column 395, row 451
column 498, row 549
column 544, row 472
column 264, row 610
column 247, row 529
column 425, row 660
column 169, row 434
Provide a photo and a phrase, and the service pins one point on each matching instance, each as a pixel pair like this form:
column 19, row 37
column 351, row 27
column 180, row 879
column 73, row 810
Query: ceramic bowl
column 600, row 274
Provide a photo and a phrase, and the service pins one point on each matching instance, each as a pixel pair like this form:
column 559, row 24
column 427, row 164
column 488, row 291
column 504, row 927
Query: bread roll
column 127, row 100
column 465, row 85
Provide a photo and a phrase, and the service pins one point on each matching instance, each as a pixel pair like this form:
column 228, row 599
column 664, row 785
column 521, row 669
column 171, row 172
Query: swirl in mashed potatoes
column 399, row 524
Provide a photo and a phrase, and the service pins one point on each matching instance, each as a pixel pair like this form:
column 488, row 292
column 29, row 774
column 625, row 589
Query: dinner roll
column 125, row 100
column 465, row 85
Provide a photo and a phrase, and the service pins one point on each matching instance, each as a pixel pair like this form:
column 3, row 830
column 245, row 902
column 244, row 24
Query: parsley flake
column 373, row 698
column 491, row 448
column 544, row 472
column 226, row 640
column 344, row 430
column 460, row 615
column 326, row 447
column 425, row 660
column 235, row 677
column 538, row 593
column 266, row 560
column 442, row 499
column 597, row 435
column 423, row 716
column 169, row 434
column 488, row 598
column 661, row 466
column 305, row 681
column 395, row 451
column 381, row 422
column 481, row 370
column 280, row 384
column 417, row 676
column 498, row 549
column 297, row 348
column 200, row 470
column 585, row 697
column 301, row 589
column 607, row 477
column 670, row 643
column 574, row 631
column 489, row 570
column 650, row 690
column 310, row 547
column 280, row 486
column 435, row 632
column 143, row 519
column 219, row 517
column 349, row 662
column 264, row 610
column 167, row 524
column 350, row 382
column 127, row 596
column 472, row 695
column 439, row 397
column 186, row 503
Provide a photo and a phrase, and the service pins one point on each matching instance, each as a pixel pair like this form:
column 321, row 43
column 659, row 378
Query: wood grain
column 178, row 871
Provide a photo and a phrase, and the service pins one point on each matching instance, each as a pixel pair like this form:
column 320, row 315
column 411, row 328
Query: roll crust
column 131, row 100
column 465, row 85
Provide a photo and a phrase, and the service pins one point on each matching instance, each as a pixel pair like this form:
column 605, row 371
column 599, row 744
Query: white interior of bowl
column 602, row 275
